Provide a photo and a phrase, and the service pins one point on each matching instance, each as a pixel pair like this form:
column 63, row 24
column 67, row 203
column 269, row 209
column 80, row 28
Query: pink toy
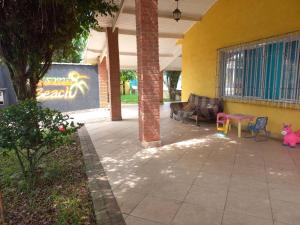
column 290, row 138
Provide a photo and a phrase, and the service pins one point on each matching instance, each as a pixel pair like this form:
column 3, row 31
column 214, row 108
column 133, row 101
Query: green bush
column 33, row 132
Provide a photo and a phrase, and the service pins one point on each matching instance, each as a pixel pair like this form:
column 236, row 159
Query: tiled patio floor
column 197, row 177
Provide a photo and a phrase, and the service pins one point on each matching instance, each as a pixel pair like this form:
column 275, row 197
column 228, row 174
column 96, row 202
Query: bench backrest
column 203, row 101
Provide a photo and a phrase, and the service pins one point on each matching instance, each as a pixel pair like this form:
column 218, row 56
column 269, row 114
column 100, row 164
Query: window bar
column 276, row 62
column 232, row 73
column 292, row 71
column 228, row 74
column 245, row 84
column 295, row 69
column 267, row 81
column 225, row 72
column 269, row 70
column 288, row 74
column 232, row 66
column 288, row 70
column 297, row 98
column 241, row 72
column 227, row 81
column 263, row 73
column 273, row 74
column 285, row 72
column 250, row 73
column 219, row 74
column 272, row 77
column 289, row 62
column 298, row 75
column 267, row 87
column 246, row 74
column 237, row 71
column 255, row 72
column 223, row 85
column 281, row 86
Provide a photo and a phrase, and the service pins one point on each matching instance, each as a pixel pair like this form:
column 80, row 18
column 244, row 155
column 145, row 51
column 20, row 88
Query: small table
column 239, row 118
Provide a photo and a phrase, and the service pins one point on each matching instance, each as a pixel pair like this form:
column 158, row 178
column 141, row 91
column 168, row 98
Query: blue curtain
column 290, row 70
column 253, row 72
column 273, row 70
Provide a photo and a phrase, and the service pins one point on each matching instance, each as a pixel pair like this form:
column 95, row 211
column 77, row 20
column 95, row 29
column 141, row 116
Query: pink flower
column 61, row 128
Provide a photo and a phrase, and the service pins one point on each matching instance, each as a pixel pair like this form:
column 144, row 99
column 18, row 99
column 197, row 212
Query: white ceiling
column 169, row 32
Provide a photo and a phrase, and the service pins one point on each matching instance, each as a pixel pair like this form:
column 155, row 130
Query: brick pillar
column 103, row 83
column 114, row 74
column 148, row 72
column 161, row 87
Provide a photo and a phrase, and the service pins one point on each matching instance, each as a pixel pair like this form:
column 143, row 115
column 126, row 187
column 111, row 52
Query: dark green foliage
column 32, row 31
column 32, row 132
column 72, row 53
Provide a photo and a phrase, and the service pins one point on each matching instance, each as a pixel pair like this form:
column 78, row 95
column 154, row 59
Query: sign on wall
column 69, row 87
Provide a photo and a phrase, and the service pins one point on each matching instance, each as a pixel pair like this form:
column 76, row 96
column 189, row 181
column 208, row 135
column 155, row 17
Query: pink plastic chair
column 223, row 123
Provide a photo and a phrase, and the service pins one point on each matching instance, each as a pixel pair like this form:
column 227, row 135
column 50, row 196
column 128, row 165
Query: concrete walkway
column 197, row 177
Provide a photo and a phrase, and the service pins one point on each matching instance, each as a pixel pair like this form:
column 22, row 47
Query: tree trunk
column 25, row 89
column 123, row 85
column 20, row 89
column 25, row 80
column 172, row 80
column 172, row 93
column 33, row 86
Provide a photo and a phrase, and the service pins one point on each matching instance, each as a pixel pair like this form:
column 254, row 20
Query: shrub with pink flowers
column 32, row 132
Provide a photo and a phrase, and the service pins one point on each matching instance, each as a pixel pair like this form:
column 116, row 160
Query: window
column 268, row 70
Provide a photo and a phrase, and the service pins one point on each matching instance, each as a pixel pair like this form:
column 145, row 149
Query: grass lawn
column 129, row 99
column 60, row 197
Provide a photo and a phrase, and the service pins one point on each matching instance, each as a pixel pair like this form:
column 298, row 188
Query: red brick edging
column 106, row 208
column 1, row 211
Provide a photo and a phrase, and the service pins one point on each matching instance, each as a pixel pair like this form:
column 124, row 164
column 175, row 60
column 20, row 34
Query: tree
column 127, row 75
column 32, row 31
column 74, row 53
column 171, row 80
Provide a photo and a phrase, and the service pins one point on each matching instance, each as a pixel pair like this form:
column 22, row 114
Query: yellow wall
column 232, row 22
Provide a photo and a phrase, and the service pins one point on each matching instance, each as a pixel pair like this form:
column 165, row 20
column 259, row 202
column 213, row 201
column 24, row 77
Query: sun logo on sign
column 78, row 83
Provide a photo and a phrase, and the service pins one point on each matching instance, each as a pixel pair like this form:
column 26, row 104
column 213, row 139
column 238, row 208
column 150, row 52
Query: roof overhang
column 170, row 32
